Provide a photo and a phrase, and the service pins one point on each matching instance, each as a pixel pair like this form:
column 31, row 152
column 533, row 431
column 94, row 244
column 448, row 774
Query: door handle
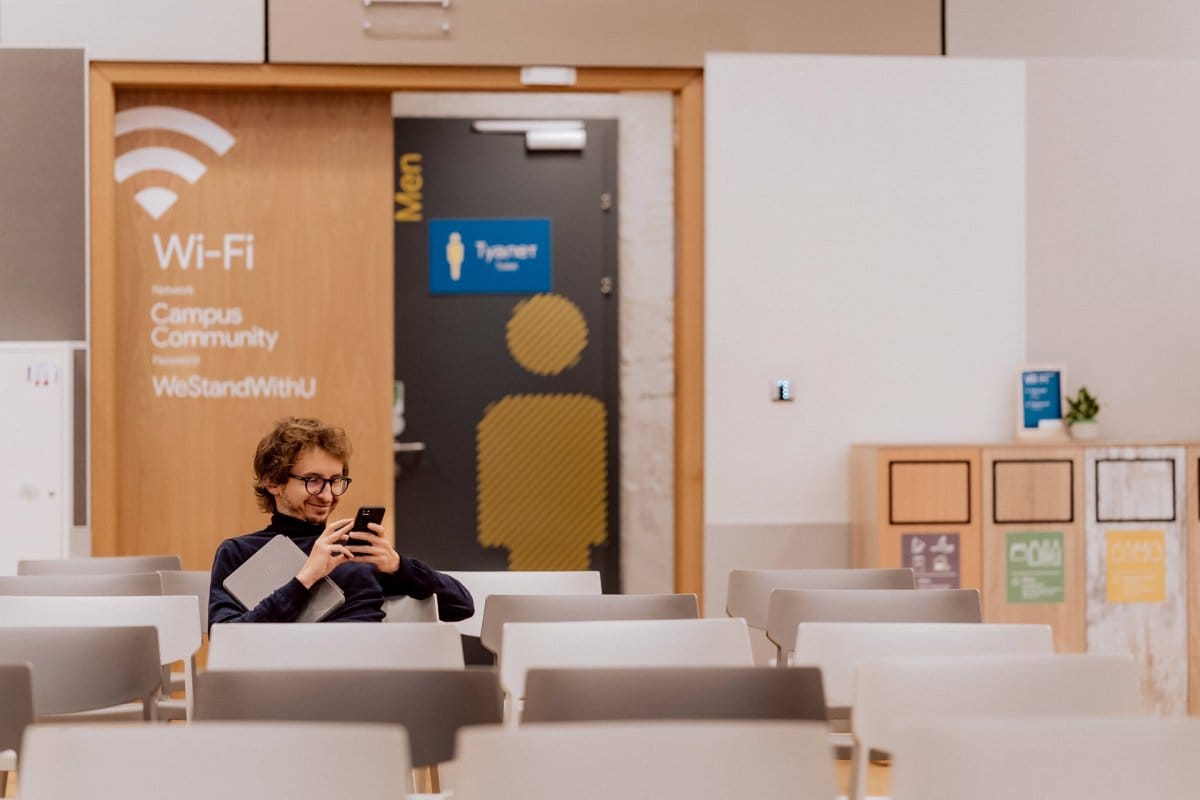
column 408, row 455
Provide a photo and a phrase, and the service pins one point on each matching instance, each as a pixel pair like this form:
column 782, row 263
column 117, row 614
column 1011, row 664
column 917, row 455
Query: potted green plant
column 1081, row 414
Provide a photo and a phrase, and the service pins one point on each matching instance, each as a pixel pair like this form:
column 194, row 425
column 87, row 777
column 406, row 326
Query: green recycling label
column 1035, row 572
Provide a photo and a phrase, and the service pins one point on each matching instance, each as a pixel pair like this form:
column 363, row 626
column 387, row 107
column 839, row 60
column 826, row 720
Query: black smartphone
column 365, row 514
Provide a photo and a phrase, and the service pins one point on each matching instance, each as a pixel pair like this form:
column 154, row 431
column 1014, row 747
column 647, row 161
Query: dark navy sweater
column 364, row 586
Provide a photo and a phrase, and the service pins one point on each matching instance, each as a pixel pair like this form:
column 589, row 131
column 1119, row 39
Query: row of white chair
column 996, row 759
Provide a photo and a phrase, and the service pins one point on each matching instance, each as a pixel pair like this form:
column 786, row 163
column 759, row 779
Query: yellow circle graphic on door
column 547, row 334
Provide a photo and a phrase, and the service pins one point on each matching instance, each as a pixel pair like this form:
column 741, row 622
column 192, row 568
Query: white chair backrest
column 86, row 668
column 891, row 694
column 188, row 581
column 1097, row 758
column 483, row 584
column 316, row 645
column 177, row 619
column 645, row 761
column 206, row 760
column 410, row 609
column 504, row 608
column 749, row 590
column 117, row 584
column 620, row 643
column 101, row 565
column 789, row 607
column 16, row 710
column 838, row 647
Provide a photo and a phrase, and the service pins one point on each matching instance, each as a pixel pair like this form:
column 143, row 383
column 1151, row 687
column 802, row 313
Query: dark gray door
column 506, row 349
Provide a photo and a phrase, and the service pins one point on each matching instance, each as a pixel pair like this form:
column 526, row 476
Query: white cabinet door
column 140, row 30
column 35, row 467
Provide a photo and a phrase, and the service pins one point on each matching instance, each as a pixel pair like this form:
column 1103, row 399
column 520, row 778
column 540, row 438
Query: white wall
column 1114, row 257
column 865, row 238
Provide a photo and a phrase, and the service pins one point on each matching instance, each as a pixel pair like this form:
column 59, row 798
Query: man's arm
column 416, row 579
column 282, row 605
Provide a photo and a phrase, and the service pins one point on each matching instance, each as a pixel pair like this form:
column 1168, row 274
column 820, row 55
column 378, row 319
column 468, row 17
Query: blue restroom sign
column 489, row 256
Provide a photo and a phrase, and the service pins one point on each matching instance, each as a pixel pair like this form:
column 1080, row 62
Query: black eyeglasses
column 315, row 484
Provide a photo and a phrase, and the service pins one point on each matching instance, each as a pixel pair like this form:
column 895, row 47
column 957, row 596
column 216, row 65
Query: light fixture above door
column 540, row 134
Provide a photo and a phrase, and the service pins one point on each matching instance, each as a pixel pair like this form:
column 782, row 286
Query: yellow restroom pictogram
column 542, row 459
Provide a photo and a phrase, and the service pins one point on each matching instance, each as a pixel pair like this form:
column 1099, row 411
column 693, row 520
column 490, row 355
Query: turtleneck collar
column 294, row 528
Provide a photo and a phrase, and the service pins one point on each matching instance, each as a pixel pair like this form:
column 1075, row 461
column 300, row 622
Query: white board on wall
column 866, row 240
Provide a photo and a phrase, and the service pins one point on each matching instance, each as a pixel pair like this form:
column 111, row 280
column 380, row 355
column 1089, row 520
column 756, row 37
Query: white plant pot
column 1085, row 430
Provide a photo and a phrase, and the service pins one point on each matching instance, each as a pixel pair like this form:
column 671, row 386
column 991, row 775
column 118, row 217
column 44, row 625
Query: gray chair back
column 188, row 581
column 501, row 608
column 104, row 565
column 749, row 590
column 431, row 704
column 86, row 668
column 790, row 607
column 16, row 703
column 232, row 761
column 410, row 609
column 133, row 584
column 580, row 695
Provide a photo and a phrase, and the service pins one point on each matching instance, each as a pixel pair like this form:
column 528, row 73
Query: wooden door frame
column 687, row 88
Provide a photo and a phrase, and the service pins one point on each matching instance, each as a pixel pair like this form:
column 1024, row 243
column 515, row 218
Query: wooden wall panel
column 1192, row 529
column 1192, row 526
column 309, row 179
column 1137, row 566
column 1035, row 494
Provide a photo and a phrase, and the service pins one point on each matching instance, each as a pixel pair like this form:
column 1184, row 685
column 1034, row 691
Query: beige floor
column 878, row 780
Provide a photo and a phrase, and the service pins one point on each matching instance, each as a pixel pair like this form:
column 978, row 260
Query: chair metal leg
column 858, row 772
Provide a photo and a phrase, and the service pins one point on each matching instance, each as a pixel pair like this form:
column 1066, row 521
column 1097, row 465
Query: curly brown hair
column 281, row 448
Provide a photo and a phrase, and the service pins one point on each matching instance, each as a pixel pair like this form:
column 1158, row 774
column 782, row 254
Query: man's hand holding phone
column 367, row 540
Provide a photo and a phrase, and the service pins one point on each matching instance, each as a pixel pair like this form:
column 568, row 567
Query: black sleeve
column 418, row 580
column 282, row 605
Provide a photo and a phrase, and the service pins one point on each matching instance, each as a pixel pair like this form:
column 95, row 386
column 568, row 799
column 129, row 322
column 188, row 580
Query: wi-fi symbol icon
column 157, row 200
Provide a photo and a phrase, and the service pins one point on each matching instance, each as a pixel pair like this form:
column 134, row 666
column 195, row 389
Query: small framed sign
column 1041, row 401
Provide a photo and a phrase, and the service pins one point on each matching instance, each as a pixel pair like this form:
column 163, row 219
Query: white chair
column 80, row 670
column 505, row 608
column 838, row 647
column 188, row 581
column 617, row 643
column 350, row 645
column 892, row 694
column 1097, row 758
column 483, row 584
column 177, row 620
column 646, row 761
column 97, row 565
column 16, row 712
column 749, row 590
column 748, row 594
column 117, row 584
column 206, row 760
column 410, row 609
column 790, row 607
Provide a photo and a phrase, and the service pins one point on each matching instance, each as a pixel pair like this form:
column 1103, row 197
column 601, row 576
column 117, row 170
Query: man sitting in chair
column 301, row 470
